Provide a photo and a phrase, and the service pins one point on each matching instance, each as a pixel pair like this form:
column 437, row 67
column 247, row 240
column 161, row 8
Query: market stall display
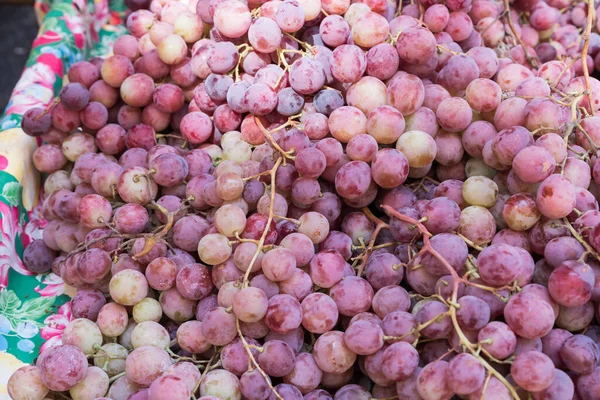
column 307, row 200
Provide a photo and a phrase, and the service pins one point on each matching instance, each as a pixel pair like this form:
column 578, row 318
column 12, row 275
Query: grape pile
column 319, row 199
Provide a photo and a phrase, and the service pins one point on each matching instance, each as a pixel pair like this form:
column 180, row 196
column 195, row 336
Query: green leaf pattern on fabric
column 12, row 193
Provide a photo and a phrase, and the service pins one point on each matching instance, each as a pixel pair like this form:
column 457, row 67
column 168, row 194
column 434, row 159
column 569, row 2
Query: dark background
column 18, row 28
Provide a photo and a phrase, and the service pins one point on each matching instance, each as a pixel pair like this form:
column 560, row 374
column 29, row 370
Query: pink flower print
column 9, row 226
column 55, row 325
column 54, row 286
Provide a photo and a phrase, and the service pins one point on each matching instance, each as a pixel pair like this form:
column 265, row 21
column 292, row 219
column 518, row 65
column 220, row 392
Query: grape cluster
column 325, row 199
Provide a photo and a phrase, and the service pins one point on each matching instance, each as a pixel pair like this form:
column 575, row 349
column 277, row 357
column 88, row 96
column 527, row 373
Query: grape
column 499, row 265
column 277, row 358
column 147, row 310
column 524, row 321
column 473, row 314
column 522, row 371
column 436, row 18
column 465, row 374
column 319, row 313
column 82, row 334
column 314, row 226
column 214, row 249
column 477, row 224
column 433, row 382
column 84, row 72
column 190, row 337
column 331, row 353
column 284, row 313
column 87, row 304
column 579, row 353
column 433, row 310
column 571, row 283
column 149, row 333
column 383, row 270
column 253, row 385
column 498, row 339
column 26, row 383
column 306, row 76
column 61, row 368
column 194, row 282
column 279, row 270
column 348, row 63
column 363, row 337
column 112, row 319
column 561, row 387
column 128, row 287
column 416, row 44
column 122, row 388
column 116, row 363
column 221, row 384
column 175, row 306
column 250, row 304
column 116, row 69
column 326, row 268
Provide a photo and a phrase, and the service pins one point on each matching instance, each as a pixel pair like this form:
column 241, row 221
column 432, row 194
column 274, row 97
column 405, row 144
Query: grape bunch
column 326, row 199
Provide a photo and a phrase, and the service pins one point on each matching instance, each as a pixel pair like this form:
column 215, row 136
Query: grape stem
column 473, row 349
column 378, row 227
column 260, row 243
column 532, row 60
column 154, row 239
column 117, row 376
column 588, row 249
column 584, row 51
column 253, row 360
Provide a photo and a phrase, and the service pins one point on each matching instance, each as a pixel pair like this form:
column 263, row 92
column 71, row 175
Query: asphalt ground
column 18, row 28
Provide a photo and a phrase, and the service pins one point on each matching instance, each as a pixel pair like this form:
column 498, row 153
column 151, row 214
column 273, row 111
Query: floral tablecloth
column 34, row 309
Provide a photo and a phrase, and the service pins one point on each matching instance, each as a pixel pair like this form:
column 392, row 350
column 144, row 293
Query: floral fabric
column 34, row 309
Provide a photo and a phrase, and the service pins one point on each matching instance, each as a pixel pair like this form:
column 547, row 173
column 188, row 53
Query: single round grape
column 498, row 339
column 419, row 148
column 253, row 385
column 250, row 304
column 62, row 367
column 175, row 306
column 521, row 317
column 194, row 281
column 277, row 358
column 348, row 63
column 579, row 354
column 150, row 333
column 83, row 334
column 190, row 337
column 433, row 381
column 319, row 313
column 148, row 309
column 352, row 295
column 128, row 287
column 364, row 337
column 284, row 313
column 145, row 364
column 571, row 283
column 473, row 314
column 87, row 304
column 465, row 374
column 218, row 326
column 26, row 383
column 214, row 249
column 533, row 371
column 331, row 353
